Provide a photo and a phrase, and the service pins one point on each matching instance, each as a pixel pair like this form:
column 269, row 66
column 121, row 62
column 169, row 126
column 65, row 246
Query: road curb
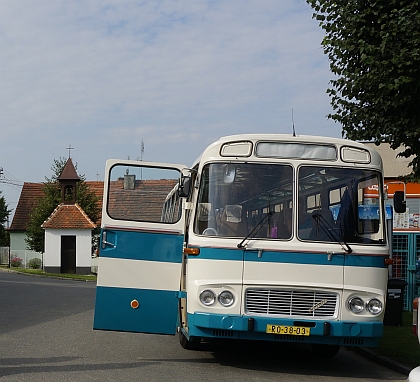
column 389, row 363
column 44, row 275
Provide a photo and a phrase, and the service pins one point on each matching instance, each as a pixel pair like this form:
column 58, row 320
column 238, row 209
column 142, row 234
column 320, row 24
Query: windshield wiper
column 256, row 229
column 330, row 232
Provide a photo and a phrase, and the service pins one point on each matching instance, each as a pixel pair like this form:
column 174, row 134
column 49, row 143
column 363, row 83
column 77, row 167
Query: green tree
column 51, row 199
column 374, row 52
column 4, row 217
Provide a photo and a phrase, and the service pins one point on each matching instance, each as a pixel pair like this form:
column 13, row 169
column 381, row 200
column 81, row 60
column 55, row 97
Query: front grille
column 287, row 302
column 222, row 333
column 353, row 341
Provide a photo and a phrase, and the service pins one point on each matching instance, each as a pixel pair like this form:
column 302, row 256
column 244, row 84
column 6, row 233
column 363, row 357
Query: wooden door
column 68, row 254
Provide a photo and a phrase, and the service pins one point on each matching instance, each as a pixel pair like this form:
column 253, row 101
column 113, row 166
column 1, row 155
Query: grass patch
column 399, row 344
column 40, row 272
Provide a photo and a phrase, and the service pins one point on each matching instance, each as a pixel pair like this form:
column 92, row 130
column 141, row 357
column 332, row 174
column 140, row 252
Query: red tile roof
column 144, row 202
column 68, row 216
column 97, row 187
column 31, row 193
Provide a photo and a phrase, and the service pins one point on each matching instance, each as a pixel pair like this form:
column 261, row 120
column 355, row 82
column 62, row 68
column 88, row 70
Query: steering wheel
column 210, row 232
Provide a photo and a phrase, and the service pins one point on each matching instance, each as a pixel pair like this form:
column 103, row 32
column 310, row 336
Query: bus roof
column 289, row 138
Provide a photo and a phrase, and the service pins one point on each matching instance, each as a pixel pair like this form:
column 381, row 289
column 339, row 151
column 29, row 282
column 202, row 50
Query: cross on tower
column 69, row 148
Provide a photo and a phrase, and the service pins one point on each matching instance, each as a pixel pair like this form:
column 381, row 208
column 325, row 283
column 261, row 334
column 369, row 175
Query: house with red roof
column 68, row 230
column 68, row 240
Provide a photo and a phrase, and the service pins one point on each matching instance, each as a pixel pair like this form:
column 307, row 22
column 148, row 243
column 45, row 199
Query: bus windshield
column 256, row 201
column 235, row 198
column 333, row 206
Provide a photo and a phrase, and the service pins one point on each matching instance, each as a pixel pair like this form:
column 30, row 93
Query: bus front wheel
column 193, row 343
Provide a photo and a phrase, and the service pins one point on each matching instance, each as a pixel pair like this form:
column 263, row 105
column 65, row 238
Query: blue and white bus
column 265, row 237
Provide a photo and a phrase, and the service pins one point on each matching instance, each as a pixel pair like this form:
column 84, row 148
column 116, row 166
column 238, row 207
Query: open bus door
column 141, row 248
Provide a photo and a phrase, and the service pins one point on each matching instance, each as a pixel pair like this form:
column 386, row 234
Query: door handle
column 332, row 253
column 105, row 242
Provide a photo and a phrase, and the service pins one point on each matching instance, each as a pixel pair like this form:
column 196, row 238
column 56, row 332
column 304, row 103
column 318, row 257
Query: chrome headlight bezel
column 356, row 304
column 226, row 298
column 371, row 304
column 207, row 297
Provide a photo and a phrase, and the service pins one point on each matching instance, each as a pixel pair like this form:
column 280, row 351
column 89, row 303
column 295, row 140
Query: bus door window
column 144, row 194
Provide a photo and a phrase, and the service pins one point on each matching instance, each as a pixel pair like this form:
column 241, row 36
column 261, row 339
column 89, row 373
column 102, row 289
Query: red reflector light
column 415, row 316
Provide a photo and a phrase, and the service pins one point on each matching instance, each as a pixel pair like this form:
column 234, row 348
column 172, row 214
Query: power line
column 9, row 178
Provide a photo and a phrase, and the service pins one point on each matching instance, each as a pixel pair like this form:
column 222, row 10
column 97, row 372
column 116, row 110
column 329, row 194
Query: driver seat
column 231, row 221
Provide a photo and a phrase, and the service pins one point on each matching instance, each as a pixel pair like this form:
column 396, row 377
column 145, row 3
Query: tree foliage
column 4, row 216
column 51, row 199
column 374, row 52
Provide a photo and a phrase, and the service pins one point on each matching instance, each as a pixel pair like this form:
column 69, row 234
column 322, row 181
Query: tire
column 325, row 351
column 193, row 343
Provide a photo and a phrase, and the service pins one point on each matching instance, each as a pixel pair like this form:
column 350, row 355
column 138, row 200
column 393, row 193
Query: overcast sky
column 103, row 75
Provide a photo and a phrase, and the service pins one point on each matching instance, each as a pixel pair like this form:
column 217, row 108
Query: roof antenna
column 293, row 124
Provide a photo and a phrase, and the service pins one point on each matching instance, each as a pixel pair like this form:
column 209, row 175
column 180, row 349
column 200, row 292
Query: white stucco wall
column 52, row 256
column 17, row 241
column 19, row 248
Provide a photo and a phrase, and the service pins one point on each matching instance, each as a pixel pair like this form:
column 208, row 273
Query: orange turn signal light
column 134, row 304
column 192, row 251
column 388, row 261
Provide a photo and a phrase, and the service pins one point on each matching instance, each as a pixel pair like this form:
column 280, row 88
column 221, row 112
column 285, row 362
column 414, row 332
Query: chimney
column 129, row 182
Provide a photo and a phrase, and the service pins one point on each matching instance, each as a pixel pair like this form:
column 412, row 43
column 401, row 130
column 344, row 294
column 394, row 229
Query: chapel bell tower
column 68, row 180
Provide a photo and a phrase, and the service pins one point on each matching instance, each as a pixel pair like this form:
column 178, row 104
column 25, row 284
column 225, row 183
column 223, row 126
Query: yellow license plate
column 291, row 330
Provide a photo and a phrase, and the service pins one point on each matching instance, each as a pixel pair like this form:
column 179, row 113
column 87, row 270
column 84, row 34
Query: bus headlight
column 374, row 306
column 207, row 297
column 226, row 298
column 356, row 304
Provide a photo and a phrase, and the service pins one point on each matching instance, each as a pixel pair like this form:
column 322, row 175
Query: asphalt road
column 46, row 335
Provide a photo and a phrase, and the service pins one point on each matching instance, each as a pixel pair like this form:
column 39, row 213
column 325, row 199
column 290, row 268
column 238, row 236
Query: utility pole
column 141, row 158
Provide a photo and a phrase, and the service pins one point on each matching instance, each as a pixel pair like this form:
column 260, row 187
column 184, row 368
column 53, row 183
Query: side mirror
column 184, row 187
column 399, row 202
